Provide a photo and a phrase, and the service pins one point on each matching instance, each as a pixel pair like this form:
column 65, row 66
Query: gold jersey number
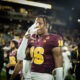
column 12, row 60
column 60, row 43
column 37, row 55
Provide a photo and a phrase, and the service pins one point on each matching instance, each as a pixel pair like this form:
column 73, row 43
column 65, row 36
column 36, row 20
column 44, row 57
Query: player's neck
column 43, row 34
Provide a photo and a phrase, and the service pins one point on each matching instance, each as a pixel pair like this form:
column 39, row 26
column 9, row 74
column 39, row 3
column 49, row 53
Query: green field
column 3, row 75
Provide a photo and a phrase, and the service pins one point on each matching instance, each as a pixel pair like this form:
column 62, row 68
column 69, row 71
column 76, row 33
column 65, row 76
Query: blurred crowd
column 8, row 50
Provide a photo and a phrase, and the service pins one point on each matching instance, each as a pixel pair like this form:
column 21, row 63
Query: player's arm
column 21, row 50
column 76, row 61
column 9, row 65
column 58, row 60
column 17, row 69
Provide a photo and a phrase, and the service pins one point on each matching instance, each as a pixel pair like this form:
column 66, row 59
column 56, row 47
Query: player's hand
column 8, row 65
column 53, row 72
column 32, row 30
column 75, row 61
column 27, row 36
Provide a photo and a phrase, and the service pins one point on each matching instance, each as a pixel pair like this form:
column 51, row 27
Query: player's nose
column 37, row 26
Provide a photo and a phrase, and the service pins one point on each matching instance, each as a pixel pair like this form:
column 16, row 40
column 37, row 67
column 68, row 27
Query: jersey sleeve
column 21, row 42
column 68, row 53
column 28, row 56
column 56, row 41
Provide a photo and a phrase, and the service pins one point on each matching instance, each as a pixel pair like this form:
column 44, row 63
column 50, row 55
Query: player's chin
column 39, row 33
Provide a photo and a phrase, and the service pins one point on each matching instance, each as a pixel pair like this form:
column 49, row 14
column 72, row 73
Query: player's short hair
column 15, row 42
column 45, row 18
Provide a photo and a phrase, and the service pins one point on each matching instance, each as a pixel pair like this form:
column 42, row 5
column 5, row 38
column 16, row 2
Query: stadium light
column 32, row 3
column 79, row 20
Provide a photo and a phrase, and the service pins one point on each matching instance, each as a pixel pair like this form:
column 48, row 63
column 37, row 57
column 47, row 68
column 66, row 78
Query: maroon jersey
column 41, row 52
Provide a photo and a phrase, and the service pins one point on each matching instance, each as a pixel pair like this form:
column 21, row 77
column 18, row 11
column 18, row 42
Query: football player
column 44, row 50
column 12, row 59
column 21, row 67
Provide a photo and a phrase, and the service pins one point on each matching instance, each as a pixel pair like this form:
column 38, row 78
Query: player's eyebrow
column 40, row 22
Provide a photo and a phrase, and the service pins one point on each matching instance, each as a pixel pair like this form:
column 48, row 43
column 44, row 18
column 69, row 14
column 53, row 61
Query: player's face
column 12, row 45
column 41, row 26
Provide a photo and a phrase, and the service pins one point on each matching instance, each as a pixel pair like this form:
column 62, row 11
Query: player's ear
column 48, row 25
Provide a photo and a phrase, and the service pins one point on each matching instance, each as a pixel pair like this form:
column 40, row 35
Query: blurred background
column 16, row 16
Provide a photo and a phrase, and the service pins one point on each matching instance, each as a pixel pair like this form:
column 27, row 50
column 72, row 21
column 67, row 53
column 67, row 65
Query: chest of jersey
column 12, row 58
column 41, row 50
column 41, row 53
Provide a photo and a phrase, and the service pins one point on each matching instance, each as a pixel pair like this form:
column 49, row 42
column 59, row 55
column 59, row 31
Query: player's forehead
column 39, row 20
column 11, row 43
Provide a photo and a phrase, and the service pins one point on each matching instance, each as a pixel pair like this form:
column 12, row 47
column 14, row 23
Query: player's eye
column 40, row 23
